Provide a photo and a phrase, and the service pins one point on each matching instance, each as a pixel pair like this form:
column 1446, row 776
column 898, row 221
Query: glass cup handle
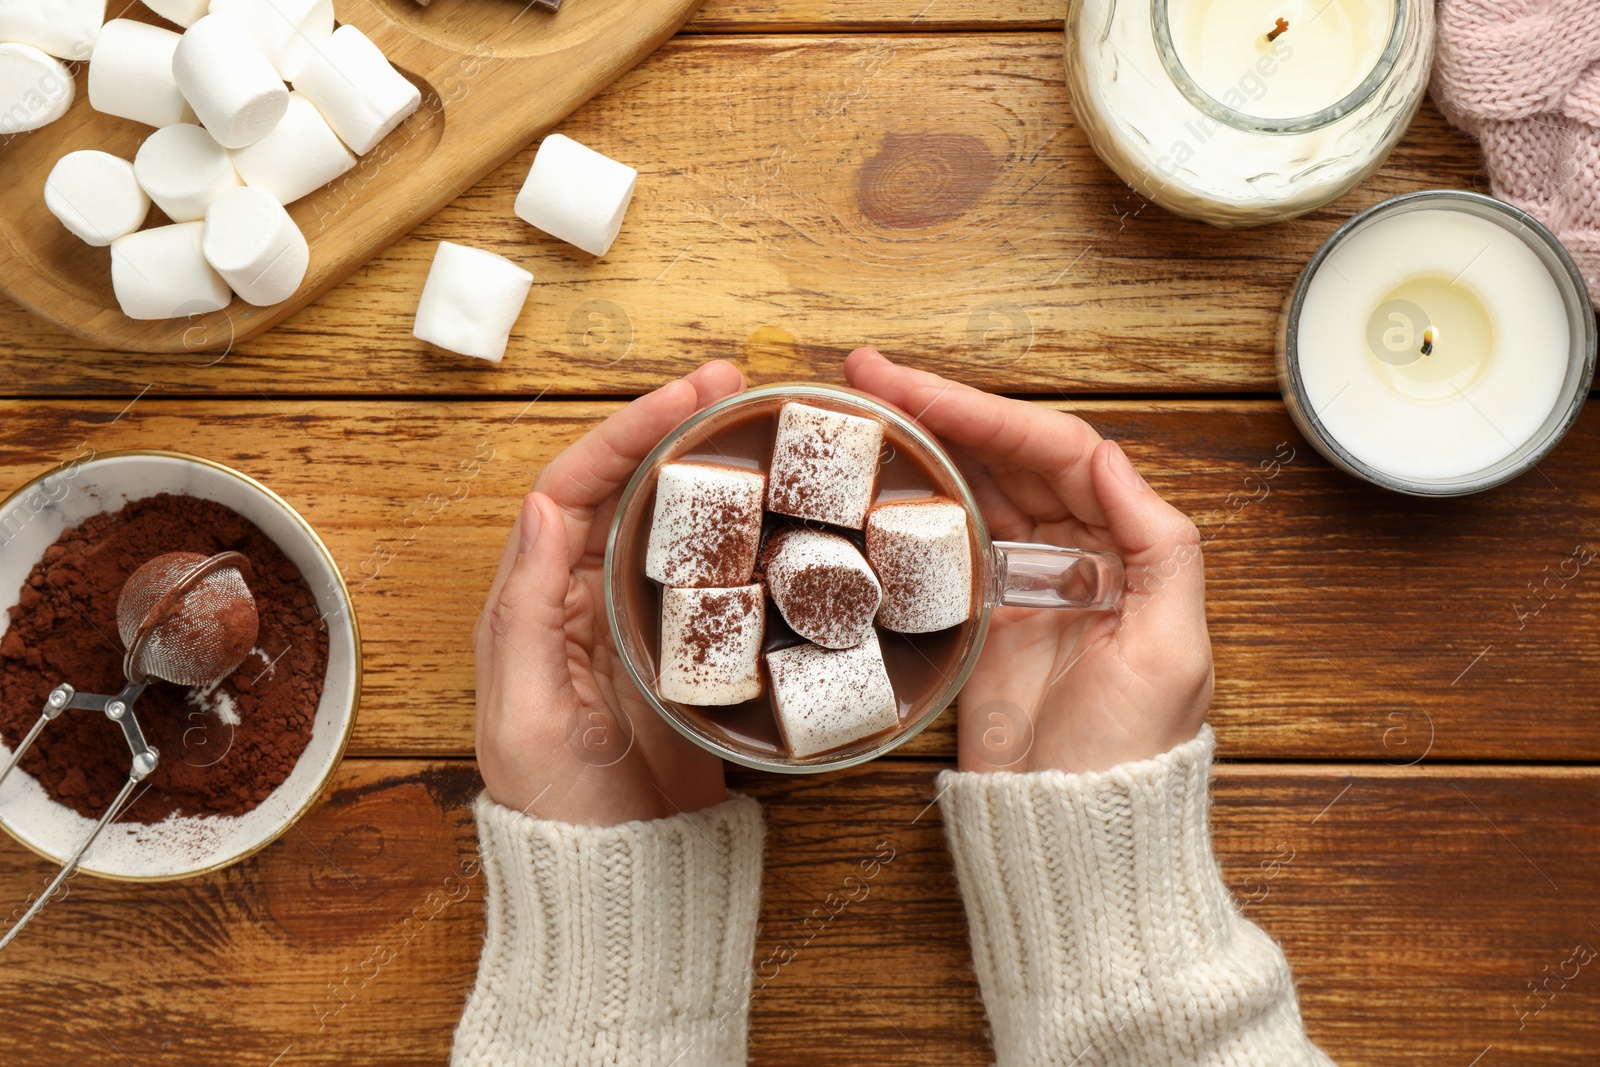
column 1045, row 576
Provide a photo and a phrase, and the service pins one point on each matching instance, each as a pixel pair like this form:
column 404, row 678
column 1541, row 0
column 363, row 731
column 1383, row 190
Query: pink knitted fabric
column 1523, row 76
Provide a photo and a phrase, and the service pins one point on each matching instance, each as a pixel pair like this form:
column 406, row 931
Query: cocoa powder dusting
column 64, row 629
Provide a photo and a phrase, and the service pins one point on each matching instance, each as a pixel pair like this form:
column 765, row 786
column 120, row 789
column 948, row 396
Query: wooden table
column 1405, row 703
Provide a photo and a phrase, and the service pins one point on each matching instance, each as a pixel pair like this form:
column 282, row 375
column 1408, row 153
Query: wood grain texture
column 918, row 16
column 489, row 85
column 800, row 196
column 1348, row 623
column 1415, row 908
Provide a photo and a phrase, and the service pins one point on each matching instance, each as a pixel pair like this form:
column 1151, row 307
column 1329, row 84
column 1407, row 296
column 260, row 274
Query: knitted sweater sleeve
column 1102, row 932
column 626, row 945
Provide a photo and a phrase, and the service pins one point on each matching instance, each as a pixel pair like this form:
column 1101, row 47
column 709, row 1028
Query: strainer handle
column 59, row 700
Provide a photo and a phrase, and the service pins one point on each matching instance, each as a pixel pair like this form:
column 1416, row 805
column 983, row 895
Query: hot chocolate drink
column 800, row 577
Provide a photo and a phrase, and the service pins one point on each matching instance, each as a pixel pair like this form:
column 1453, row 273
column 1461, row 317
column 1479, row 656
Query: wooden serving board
column 494, row 75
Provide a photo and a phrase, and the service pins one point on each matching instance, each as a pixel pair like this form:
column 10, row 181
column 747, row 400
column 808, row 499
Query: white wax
column 1398, row 420
column 1328, row 49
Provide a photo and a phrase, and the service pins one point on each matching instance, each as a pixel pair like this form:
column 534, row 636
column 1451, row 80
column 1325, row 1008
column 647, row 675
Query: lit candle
column 1439, row 344
column 1239, row 112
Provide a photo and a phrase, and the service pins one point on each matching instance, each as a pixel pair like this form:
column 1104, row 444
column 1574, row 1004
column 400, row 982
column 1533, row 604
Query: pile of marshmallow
column 233, row 144
column 705, row 548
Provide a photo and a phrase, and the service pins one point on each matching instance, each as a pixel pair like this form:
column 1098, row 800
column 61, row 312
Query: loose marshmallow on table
column 35, row 89
column 288, row 31
column 253, row 243
column 711, row 645
column 183, row 169
column 824, row 465
column 706, row 527
column 827, row 698
column 130, row 74
column 65, row 28
column 162, row 274
column 96, row 196
column 922, row 551
column 576, row 195
column 229, row 81
column 470, row 301
column 356, row 88
column 183, row 12
column 299, row 156
column 822, row 586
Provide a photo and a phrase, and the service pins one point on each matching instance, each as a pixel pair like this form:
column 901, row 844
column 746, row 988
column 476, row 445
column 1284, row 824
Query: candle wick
column 1427, row 342
column 1279, row 30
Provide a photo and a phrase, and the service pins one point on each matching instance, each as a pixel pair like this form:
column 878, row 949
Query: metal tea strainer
column 183, row 618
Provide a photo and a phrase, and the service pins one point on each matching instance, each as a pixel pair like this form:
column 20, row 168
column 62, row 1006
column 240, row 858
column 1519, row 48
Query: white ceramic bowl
column 30, row 521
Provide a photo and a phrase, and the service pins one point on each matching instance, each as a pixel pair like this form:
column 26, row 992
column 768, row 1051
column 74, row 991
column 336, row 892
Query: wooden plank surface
column 922, row 16
column 1348, row 623
column 1415, row 906
column 800, row 196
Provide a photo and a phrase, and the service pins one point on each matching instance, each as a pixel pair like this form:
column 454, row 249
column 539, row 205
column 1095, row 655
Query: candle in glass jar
column 1440, row 343
column 1240, row 112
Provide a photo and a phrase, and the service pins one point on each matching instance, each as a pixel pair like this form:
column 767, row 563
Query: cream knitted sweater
column 1102, row 932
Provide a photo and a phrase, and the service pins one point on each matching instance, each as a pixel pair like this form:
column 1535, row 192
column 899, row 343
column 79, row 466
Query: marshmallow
column 96, row 196
column 161, row 274
column 183, row 169
column 253, row 243
column 65, row 28
column 360, row 94
column 711, row 645
column 576, row 195
column 130, row 74
column 822, row 586
column 229, row 81
column 184, row 12
column 288, row 31
column 35, row 89
column 470, row 301
column 827, row 698
column 824, row 465
column 298, row 157
column 922, row 551
column 707, row 525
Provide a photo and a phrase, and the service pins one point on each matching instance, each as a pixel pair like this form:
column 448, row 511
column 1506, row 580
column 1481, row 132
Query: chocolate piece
column 824, row 465
column 707, row 526
column 922, row 551
column 827, row 698
column 711, row 645
column 822, row 585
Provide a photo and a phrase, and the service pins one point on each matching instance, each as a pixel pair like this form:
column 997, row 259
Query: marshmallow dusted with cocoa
column 824, row 465
column 922, row 553
column 827, row 698
column 707, row 526
column 711, row 645
column 822, row 586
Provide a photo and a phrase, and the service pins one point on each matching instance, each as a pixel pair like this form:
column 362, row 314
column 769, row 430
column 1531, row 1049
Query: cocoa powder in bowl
column 223, row 750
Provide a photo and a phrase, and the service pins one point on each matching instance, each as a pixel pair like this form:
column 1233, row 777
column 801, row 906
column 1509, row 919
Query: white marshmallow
column 470, row 301
column 183, row 169
column 827, row 698
column 822, row 586
column 357, row 90
column 35, row 89
column 161, row 274
column 65, row 28
column 298, row 157
column 922, row 551
column 711, row 645
column 253, row 243
column 707, row 525
column 824, row 465
column 288, row 31
column 96, row 196
column 184, row 12
column 576, row 195
column 229, row 81
column 130, row 75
